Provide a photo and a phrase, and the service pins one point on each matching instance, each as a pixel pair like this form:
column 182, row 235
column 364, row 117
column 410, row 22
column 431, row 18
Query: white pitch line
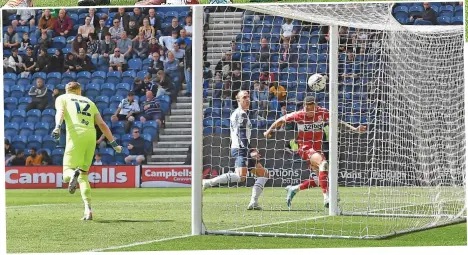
column 36, row 205
column 277, row 223
column 140, row 243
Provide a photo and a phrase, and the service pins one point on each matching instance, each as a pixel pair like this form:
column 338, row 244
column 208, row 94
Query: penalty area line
column 140, row 243
column 36, row 205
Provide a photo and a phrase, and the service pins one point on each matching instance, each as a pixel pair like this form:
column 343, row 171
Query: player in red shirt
column 310, row 122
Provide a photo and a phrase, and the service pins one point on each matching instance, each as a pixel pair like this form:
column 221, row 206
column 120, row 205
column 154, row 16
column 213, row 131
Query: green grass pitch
column 48, row 221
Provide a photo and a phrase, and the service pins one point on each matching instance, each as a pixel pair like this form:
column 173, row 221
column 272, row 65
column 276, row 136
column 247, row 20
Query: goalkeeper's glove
column 56, row 132
column 116, row 147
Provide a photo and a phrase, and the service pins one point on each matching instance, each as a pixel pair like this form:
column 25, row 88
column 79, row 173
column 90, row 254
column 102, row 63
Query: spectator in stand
column 25, row 43
column 184, row 38
column 127, row 110
column 9, row 151
column 260, row 99
column 132, row 32
column 102, row 30
column 42, row 62
column 19, row 159
column 33, row 159
column 15, row 62
column 147, row 29
column 264, row 55
column 139, row 88
column 78, row 43
column 150, row 85
column 38, row 94
column 136, row 148
column 29, row 60
column 98, row 160
column 165, row 84
column 279, row 92
column 154, row 21
column 24, row 17
column 188, row 25
column 106, row 48
column 168, row 41
column 224, row 65
column 172, row 65
column 155, row 64
column 86, row 29
column 70, row 63
column 84, row 61
column 93, row 46
column 116, row 61
column 287, row 31
column 123, row 17
column 207, row 74
column 116, row 30
column 94, row 17
column 140, row 47
column 154, row 46
column 44, row 42
column 46, row 160
column 236, row 85
column 46, row 24
column 286, row 55
column 174, row 27
column 55, row 93
column 11, row 39
column 427, row 17
column 188, row 70
column 138, row 16
column 151, row 109
column 179, row 53
column 63, row 24
column 56, row 62
column 267, row 78
column 125, row 45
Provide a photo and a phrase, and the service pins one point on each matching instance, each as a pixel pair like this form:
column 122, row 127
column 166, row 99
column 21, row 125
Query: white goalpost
column 405, row 84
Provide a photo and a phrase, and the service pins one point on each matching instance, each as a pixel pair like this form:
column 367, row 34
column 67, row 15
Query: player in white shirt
column 246, row 158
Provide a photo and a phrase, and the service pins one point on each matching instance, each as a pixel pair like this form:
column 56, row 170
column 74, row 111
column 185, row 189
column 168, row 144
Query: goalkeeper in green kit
column 80, row 115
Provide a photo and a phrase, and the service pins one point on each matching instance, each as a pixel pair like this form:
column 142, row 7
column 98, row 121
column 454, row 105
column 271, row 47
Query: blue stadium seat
column 148, row 141
column 11, row 77
column 125, row 139
column 33, row 115
column 129, row 76
column 17, row 91
column 19, row 142
column 92, row 90
column 68, row 77
column 26, row 129
column 107, row 89
column 444, row 20
column 54, row 78
column 120, row 157
column 122, row 89
column 73, row 17
column 150, row 127
column 107, row 154
column 446, row 11
column 42, row 128
column 98, row 77
column 11, row 103
column 113, row 77
column 23, row 81
column 23, row 103
column 458, row 11
column 457, row 20
column 18, row 116
column 48, row 115
column 118, row 128
column 135, row 64
column 83, row 77
column 102, row 101
column 49, row 142
column 401, row 11
column 11, row 129
column 81, row 18
column 59, row 42
column 34, row 141
column 107, row 114
column 57, row 156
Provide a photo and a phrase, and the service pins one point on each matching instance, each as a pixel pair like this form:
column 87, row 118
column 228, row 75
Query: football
column 317, row 82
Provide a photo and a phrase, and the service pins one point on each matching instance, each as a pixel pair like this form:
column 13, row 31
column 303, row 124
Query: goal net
column 404, row 83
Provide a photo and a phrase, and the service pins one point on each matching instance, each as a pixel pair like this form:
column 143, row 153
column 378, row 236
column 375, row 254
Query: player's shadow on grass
column 131, row 221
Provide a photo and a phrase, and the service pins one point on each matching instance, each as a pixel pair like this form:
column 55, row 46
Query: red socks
column 323, row 180
column 307, row 184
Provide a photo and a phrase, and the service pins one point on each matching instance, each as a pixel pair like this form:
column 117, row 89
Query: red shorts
column 305, row 151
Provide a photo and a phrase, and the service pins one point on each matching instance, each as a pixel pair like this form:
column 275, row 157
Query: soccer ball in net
column 317, row 82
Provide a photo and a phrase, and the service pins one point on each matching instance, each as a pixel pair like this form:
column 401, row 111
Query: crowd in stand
column 108, row 40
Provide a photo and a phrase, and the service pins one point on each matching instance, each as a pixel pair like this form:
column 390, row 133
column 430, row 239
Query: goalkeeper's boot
column 88, row 216
column 290, row 195
column 254, row 206
column 206, row 184
column 74, row 182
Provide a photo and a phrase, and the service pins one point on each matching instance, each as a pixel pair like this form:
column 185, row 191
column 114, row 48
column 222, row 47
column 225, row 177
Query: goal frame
column 198, row 227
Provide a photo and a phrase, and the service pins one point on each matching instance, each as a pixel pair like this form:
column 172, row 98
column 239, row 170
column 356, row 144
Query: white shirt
column 126, row 107
column 167, row 41
column 241, row 129
column 97, row 163
column 287, row 29
column 115, row 60
column 188, row 29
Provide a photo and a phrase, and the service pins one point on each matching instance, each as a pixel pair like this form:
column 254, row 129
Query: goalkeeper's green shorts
column 79, row 151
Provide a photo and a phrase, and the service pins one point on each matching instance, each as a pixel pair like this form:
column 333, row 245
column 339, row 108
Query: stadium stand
column 27, row 129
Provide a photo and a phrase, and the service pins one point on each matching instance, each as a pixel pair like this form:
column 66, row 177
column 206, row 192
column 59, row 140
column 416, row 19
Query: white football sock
column 87, row 208
column 224, row 178
column 257, row 189
column 323, row 166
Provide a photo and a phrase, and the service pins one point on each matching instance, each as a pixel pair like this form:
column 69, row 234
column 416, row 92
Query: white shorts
column 136, row 157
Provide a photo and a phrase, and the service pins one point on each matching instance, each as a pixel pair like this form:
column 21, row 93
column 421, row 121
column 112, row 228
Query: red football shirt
column 310, row 129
